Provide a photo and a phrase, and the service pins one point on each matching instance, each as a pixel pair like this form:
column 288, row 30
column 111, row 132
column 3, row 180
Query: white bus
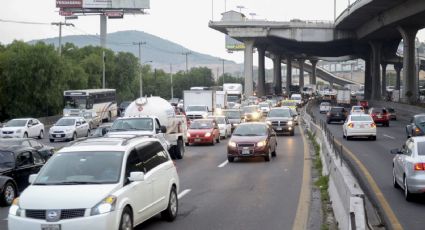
column 101, row 101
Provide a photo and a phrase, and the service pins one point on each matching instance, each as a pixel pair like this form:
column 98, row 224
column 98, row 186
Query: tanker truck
column 156, row 117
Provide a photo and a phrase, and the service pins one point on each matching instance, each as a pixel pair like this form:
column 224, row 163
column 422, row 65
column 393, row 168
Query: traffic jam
column 112, row 156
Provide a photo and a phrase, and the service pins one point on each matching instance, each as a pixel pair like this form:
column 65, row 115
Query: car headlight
column 261, row 144
column 19, row 131
column 205, row 115
column 232, row 144
column 255, row 115
column 104, row 206
column 207, row 134
column 269, row 122
column 14, row 209
column 290, row 123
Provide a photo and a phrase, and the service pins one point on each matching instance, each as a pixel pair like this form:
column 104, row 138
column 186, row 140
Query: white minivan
column 99, row 183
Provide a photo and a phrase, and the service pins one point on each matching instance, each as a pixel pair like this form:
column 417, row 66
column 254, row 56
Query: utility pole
column 103, row 69
column 171, row 76
column 186, row 54
column 60, row 24
column 141, row 67
column 223, row 68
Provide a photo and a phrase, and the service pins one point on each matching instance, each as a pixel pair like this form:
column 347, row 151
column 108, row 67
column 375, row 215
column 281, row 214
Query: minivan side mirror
column 32, row 178
column 137, row 176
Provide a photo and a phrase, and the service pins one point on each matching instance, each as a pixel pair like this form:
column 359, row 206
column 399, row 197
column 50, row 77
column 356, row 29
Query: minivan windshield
column 69, row 168
column 132, row 124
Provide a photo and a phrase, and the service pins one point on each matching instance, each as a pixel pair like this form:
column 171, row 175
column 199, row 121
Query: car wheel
column 109, row 116
column 179, row 149
column 126, row 222
column 187, row 143
column 218, row 139
column 407, row 195
column 269, row 155
column 9, row 194
column 25, row 135
column 274, row 151
column 170, row 213
column 374, row 138
column 343, row 135
column 41, row 135
column 395, row 184
column 74, row 136
column 292, row 133
column 328, row 121
column 230, row 159
column 348, row 138
column 88, row 133
column 51, row 140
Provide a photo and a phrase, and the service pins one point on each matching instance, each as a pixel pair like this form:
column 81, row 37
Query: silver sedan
column 409, row 167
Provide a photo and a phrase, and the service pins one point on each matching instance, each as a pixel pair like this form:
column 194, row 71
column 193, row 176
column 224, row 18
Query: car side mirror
column 396, row 151
column 163, row 129
column 77, row 124
column 136, row 176
column 32, row 178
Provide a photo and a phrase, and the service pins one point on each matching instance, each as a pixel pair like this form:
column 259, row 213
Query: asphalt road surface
column 246, row 194
column 376, row 157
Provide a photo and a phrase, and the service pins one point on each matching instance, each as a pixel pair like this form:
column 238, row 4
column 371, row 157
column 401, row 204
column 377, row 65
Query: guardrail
column 348, row 199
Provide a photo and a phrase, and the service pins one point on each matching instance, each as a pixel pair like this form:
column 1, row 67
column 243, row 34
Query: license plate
column 279, row 128
column 197, row 139
column 50, row 227
column 379, row 116
column 57, row 135
column 245, row 151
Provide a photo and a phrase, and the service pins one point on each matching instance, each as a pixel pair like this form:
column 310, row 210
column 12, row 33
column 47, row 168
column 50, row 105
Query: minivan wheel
column 126, row 222
column 9, row 194
column 269, row 156
column 25, row 135
column 170, row 213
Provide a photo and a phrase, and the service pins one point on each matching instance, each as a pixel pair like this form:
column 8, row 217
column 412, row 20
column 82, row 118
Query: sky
column 184, row 22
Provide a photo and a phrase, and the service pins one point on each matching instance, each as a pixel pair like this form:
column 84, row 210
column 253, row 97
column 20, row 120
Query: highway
column 246, row 194
column 376, row 157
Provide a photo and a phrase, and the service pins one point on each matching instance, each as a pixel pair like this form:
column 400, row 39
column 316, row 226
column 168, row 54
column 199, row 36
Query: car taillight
column 373, row 125
column 350, row 125
column 417, row 130
column 419, row 167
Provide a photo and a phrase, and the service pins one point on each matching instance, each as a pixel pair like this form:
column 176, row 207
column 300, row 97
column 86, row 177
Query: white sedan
column 224, row 126
column 324, row 107
column 359, row 125
column 23, row 127
column 69, row 128
column 409, row 167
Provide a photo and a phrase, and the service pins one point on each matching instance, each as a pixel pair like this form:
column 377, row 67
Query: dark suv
column 281, row 120
column 336, row 114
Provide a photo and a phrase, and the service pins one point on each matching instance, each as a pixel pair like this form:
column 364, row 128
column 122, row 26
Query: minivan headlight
column 14, row 209
column 104, row 206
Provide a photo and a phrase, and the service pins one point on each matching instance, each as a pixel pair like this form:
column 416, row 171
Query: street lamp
column 252, row 15
column 240, row 8
column 140, row 77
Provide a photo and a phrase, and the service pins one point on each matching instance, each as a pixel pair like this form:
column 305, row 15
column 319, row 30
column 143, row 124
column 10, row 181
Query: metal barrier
column 348, row 199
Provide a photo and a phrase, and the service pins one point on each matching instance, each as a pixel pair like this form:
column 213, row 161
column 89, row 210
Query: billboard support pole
column 103, row 30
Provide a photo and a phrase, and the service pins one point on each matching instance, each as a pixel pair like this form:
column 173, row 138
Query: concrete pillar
column 248, row 64
column 277, row 75
column 398, row 67
column 368, row 78
column 313, row 71
column 288, row 74
column 301, row 78
column 409, row 68
column 261, row 85
column 103, row 30
column 384, row 80
column 376, row 70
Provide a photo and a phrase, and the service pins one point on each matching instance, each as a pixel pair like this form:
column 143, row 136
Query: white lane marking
column 223, row 164
column 183, row 193
column 385, row 135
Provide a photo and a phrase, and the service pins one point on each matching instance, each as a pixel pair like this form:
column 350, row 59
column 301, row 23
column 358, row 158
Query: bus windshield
column 76, row 102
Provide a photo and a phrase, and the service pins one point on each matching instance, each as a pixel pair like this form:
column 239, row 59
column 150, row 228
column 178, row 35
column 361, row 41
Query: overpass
column 367, row 29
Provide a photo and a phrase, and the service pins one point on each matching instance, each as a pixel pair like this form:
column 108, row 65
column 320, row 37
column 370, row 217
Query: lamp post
column 240, row 8
column 140, row 77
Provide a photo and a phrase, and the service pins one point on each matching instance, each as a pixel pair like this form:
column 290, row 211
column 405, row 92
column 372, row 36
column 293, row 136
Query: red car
column 253, row 139
column 364, row 103
column 380, row 115
column 203, row 131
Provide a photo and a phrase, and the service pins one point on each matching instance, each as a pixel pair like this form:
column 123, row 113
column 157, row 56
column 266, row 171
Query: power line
column 25, row 22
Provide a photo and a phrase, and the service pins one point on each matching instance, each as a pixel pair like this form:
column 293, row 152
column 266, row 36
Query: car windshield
column 196, row 108
column 279, row 113
column 295, row 98
column 16, row 123
column 65, row 122
column 287, row 103
column 325, row 104
column 361, row 118
column 68, row 168
column 197, row 124
column 357, row 108
column 250, row 109
column 7, row 160
column 337, row 110
column 251, row 130
column 421, row 148
column 232, row 114
column 132, row 124
column 220, row 120
column 262, row 105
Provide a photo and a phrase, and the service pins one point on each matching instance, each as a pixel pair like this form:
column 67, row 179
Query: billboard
column 233, row 44
column 69, row 3
column 116, row 4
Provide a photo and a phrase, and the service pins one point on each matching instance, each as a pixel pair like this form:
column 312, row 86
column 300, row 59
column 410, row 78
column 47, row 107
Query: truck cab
column 197, row 111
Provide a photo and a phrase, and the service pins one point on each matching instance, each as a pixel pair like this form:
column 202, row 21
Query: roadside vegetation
column 33, row 77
